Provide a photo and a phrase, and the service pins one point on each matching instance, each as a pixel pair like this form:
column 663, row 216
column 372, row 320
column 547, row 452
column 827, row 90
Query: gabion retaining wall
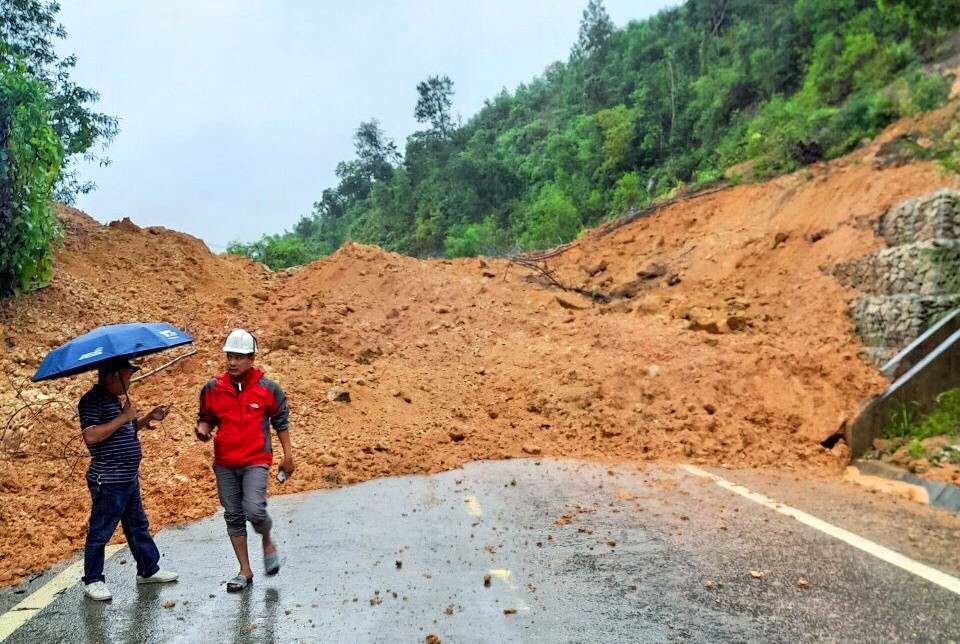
column 922, row 268
column 910, row 285
column 896, row 320
column 934, row 216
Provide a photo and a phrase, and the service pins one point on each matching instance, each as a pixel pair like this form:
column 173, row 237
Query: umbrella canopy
column 90, row 350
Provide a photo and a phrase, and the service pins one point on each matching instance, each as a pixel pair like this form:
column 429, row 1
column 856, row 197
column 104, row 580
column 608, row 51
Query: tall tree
column 28, row 32
column 434, row 104
column 595, row 29
column 377, row 154
column 591, row 54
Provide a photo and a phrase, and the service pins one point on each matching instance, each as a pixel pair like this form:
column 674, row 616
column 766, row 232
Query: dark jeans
column 115, row 503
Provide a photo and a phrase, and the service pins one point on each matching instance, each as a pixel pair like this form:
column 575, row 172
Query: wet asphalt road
column 575, row 552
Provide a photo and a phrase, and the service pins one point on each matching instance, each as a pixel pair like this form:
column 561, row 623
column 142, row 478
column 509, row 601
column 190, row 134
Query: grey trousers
column 243, row 495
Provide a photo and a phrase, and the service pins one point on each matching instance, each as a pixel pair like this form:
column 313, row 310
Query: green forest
column 633, row 116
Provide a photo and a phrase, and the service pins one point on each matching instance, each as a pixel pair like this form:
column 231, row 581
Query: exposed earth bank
column 728, row 343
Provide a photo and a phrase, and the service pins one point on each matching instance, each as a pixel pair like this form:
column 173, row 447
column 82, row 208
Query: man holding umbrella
column 110, row 432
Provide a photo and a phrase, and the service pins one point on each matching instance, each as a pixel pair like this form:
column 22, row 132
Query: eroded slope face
column 726, row 343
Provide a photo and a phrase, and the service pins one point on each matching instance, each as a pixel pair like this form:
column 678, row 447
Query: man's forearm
column 98, row 433
column 284, row 437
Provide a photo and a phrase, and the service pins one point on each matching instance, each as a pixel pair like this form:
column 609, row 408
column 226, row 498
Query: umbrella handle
column 126, row 396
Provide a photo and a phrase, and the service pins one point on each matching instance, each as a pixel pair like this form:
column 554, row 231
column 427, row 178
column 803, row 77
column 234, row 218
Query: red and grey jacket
column 243, row 417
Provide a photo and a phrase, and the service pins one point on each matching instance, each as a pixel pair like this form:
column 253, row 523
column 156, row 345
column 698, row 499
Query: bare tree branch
column 163, row 366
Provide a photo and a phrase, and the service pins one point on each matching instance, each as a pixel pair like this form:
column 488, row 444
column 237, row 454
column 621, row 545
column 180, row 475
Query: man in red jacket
column 242, row 405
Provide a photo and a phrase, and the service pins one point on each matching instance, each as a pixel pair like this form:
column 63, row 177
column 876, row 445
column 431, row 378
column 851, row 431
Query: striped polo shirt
column 116, row 459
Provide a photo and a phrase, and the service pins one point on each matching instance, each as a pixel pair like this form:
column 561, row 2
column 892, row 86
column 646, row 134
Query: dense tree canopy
column 631, row 116
column 28, row 34
column 45, row 122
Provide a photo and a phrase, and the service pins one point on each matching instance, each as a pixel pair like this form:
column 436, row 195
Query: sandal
column 238, row 583
column 271, row 562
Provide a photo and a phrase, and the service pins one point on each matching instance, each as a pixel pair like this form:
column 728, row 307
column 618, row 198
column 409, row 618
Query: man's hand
column 287, row 465
column 130, row 412
column 158, row 413
column 202, row 431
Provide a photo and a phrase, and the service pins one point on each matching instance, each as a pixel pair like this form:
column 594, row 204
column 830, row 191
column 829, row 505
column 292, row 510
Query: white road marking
column 43, row 596
column 880, row 552
column 473, row 508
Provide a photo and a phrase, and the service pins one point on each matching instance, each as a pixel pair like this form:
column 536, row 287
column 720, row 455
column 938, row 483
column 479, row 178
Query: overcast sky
column 234, row 115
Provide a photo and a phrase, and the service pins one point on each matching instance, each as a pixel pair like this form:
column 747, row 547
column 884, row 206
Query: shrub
column 275, row 251
column 30, row 159
column 943, row 419
column 628, row 193
column 926, row 92
column 472, row 240
column 552, row 220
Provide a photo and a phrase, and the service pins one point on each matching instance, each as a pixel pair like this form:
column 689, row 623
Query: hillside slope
column 735, row 349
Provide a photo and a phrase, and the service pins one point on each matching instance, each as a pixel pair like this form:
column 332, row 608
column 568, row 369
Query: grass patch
column 943, row 420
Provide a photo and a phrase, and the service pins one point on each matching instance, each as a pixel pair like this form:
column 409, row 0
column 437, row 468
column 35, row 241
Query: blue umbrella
column 90, row 350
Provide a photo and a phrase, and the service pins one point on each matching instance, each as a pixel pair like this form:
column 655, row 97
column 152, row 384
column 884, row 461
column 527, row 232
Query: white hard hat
column 240, row 341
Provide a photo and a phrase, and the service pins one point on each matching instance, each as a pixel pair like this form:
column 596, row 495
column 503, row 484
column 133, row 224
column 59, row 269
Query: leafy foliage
column 943, row 419
column 28, row 33
column 30, row 157
column 275, row 251
column 553, row 219
column 434, row 104
column 471, row 240
column 45, row 122
column 633, row 115
column 929, row 14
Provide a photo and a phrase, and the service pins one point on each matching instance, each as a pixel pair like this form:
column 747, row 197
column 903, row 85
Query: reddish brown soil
column 750, row 359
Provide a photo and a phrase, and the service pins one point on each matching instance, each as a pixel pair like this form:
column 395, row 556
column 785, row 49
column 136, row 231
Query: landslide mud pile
column 726, row 341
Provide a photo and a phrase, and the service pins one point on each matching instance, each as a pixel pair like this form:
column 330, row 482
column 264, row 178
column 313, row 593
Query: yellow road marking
column 473, row 508
column 505, row 575
column 880, row 552
column 43, row 596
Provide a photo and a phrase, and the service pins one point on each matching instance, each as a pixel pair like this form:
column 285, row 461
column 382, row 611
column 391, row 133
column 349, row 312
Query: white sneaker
column 160, row 577
column 97, row 591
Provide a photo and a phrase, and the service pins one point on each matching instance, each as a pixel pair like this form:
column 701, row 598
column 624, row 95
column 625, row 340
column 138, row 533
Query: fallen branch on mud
column 537, row 262
column 11, row 439
column 51, row 445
